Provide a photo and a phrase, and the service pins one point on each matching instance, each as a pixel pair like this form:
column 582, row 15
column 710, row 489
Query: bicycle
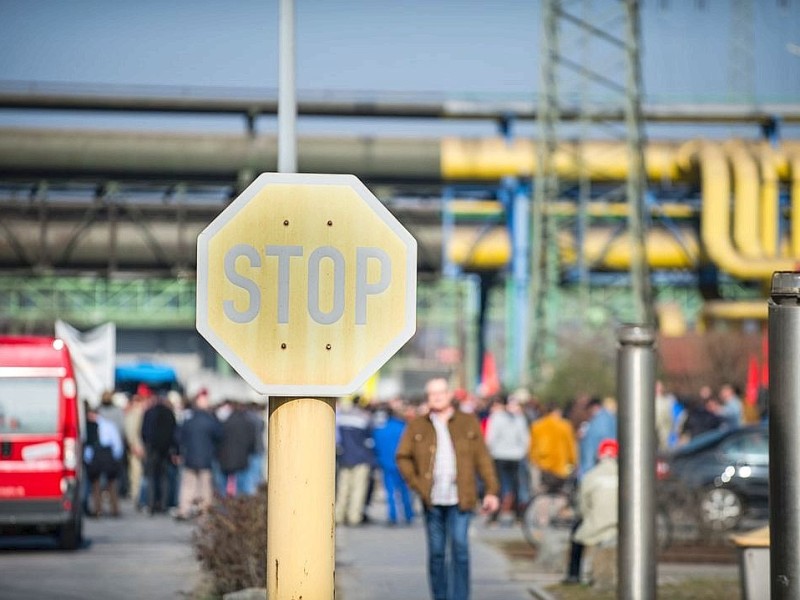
column 547, row 524
column 550, row 518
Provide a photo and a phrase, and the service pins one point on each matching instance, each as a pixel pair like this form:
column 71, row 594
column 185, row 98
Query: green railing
column 27, row 303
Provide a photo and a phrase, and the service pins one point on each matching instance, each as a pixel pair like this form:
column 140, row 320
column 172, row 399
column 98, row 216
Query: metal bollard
column 636, row 560
column 784, row 441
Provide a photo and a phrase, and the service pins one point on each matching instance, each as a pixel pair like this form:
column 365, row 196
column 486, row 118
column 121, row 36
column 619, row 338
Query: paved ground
column 390, row 563
column 142, row 557
column 374, row 561
column 133, row 557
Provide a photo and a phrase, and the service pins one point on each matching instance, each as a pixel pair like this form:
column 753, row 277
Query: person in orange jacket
column 553, row 449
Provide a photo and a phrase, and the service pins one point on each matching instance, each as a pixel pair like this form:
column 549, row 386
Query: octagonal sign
column 306, row 284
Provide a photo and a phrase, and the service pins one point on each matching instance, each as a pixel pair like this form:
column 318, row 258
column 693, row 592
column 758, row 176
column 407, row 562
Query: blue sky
column 455, row 49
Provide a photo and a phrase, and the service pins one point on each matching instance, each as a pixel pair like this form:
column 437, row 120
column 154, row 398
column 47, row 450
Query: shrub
column 586, row 366
column 231, row 543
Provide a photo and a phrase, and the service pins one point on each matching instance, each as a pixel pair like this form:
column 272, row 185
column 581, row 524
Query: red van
column 40, row 439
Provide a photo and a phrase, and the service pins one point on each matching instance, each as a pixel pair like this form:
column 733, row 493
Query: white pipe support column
column 300, row 498
column 287, row 101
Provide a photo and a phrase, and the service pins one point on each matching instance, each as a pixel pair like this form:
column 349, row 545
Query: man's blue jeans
column 447, row 529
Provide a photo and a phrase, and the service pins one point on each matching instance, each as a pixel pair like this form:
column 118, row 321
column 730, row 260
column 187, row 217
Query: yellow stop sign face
column 306, row 284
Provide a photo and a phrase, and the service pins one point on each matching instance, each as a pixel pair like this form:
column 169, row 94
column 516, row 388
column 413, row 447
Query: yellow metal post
column 300, row 500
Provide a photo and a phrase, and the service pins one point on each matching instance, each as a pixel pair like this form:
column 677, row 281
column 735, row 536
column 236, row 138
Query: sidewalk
column 375, row 561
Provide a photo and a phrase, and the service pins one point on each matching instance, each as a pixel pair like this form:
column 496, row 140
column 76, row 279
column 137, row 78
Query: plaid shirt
column 444, row 492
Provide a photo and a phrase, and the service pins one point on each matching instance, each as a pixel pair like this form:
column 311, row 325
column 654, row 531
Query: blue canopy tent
column 156, row 376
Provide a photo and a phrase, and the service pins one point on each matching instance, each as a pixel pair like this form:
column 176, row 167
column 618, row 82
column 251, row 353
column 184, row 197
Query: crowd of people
column 679, row 420
column 530, row 447
column 169, row 454
column 437, row 459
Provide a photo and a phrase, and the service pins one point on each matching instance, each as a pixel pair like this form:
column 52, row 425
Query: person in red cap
column 597, row 504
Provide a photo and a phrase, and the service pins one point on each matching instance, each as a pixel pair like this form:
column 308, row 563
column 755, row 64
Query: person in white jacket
column 508, row 439
column 597, row 505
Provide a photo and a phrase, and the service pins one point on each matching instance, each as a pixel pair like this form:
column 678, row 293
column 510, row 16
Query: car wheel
column 721, row 509
column 70, row 536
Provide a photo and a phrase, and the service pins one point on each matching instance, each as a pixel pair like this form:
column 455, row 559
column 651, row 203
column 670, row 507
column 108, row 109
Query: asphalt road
column 133, row 556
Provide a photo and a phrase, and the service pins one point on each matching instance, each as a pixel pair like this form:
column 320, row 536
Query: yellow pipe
column 795, row 199
column 606, row 248
column 739, row 310
column 474, row 247
column 745, row 202
column 476, row 208
column 477, row 248
column 715, row 221
column 494, row 158
column 671, row 320
column 566, row 208
column 673, row 210
column 769, row 202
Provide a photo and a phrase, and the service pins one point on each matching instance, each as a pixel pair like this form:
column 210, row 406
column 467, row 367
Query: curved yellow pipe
column 745, row 200
column 794, row 162
column 715, row 221
column 740, row 255
column 768, row 224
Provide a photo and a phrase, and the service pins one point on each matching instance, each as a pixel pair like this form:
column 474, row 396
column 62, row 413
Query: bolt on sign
column 306, row 284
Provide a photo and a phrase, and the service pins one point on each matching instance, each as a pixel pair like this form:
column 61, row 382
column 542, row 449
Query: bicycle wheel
column 663, row 529
column 539, row 517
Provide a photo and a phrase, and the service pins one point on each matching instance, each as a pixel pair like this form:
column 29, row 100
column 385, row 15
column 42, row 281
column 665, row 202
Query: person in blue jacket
column 388, row 428
column 602, row 425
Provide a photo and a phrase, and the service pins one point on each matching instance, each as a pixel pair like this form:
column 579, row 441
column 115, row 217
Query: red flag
column 751, row 388
column 764, row 361
column 490, row 382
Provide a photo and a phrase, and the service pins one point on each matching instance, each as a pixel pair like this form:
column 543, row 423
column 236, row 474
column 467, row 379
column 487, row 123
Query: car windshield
column 703, row 440
column 747, row 444
column 28, row 405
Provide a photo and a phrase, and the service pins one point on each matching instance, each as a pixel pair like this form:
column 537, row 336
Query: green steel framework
column 446, row 308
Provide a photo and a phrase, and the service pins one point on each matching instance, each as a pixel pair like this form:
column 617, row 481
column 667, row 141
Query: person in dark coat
column 237, row 445
column 701, row 418
column 159, row 436
column 198, row 438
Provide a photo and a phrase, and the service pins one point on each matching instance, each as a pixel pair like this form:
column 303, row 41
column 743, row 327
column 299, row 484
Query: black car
column 720, row 475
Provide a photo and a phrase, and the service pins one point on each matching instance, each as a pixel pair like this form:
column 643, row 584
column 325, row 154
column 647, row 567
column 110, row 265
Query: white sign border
column 203, row 327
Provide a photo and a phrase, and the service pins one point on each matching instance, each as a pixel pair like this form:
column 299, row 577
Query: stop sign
column 306, row 284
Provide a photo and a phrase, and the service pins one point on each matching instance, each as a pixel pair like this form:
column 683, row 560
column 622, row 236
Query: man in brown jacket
column 439, row 456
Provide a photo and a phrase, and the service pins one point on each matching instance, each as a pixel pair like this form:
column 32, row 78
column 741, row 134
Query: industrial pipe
column 794, row 161
column 605, row 247
column 49, row 152
column 715, row 221
column 734, row 310
column 770, row 197
column 746, row 200
column 494, row 158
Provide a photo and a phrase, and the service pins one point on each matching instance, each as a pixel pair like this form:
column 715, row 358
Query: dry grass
column 691, row 589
